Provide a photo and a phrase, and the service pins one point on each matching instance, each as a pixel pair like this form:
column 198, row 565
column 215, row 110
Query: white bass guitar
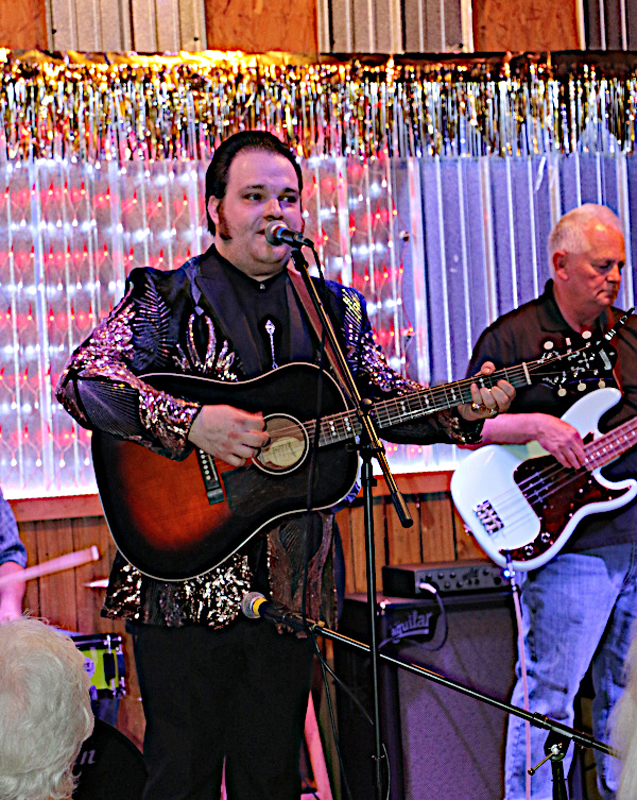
column 518, row 499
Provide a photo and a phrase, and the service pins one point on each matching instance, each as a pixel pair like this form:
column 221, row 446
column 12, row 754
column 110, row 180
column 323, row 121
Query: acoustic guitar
column 179, row 519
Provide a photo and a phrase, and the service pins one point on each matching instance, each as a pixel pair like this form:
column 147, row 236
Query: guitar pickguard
column 554, row 513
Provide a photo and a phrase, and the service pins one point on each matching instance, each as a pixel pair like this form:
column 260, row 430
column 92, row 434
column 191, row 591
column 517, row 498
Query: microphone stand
column 369, row 446
column 559, row 738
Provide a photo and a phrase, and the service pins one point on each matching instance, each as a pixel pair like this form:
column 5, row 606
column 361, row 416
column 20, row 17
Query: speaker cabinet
column 441, row 745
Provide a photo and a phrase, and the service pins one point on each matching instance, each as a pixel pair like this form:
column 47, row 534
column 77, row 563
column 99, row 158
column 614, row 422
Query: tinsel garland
column 123, row 107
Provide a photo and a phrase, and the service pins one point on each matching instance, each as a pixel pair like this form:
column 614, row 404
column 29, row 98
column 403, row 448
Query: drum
column 109, row 766
column 104, row 662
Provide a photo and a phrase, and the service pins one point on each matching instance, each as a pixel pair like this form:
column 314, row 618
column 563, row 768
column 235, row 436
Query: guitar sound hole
column 288, row 447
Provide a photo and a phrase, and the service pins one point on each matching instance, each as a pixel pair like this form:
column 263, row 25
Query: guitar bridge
column 488, row 516
column 211, row 480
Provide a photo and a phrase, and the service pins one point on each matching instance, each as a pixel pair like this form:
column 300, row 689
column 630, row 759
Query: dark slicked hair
column 217, row 172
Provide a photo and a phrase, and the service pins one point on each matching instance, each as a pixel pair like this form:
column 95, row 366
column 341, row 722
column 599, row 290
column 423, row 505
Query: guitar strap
column 306, row 301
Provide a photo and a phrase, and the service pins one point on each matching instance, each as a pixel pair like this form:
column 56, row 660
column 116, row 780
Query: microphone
column 276, row 232
column 255, row 606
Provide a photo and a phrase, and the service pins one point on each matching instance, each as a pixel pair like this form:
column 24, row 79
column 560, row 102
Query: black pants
column 239, row 693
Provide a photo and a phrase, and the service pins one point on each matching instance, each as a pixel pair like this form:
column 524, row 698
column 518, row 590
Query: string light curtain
column 431, row 188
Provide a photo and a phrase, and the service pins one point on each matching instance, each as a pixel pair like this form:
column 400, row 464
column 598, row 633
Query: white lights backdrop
column 440, row 240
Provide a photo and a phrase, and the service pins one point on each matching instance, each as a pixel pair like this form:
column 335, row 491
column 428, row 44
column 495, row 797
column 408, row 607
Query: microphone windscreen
column 250, row 604
column 273, row 232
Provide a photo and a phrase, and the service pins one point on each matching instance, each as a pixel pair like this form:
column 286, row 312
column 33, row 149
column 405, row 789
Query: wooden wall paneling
column 192, row 25
column 144, row 25
column 255, row 26
column 58, row 594
column 344, row 522
column 51, row 527
column 523, row 25
column 437, row 528
column 116, row 28
column 65, row 507
column 403, row 544
column 88, row 15
column 29, row 538
column 168, row 33
column 63, row 25
column 86, row 532
column 354, row 547
column 23, row 26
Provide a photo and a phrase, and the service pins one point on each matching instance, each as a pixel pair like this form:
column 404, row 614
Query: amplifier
column 447, row 578
column 440, row 744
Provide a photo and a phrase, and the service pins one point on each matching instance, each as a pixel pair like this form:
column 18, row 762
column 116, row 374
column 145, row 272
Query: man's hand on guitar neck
column 228, row 433
column 487, row 402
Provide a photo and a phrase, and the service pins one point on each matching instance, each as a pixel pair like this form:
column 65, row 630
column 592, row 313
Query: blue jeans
column 577, row 610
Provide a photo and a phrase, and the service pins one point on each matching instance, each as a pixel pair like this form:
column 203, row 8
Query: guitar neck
column 611, row 445
column 412, row 406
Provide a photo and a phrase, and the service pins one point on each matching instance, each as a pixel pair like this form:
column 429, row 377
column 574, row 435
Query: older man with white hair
column 579, row 607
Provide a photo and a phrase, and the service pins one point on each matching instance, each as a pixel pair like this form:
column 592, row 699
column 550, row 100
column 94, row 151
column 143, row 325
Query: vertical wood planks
column 520, row 25
column 74, row 523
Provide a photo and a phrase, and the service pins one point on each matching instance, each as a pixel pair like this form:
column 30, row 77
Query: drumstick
column 67, row 561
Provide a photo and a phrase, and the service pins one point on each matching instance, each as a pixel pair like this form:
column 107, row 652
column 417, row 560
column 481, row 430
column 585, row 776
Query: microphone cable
column 515, row 587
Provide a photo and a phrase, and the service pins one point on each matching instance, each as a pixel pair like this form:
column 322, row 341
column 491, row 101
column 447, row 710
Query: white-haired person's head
column 570, row 233
column 45, row 710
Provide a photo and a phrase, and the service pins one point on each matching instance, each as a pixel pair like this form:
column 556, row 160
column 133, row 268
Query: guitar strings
column 414, row 405
column 547, row 481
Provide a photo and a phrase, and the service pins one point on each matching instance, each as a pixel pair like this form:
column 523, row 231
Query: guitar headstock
column 576, row 370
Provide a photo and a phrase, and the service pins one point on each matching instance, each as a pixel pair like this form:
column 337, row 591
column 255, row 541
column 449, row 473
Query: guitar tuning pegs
column 601, row 383
column 581, row 386
column 548, row 345
column 561, row 391
column 587, row 334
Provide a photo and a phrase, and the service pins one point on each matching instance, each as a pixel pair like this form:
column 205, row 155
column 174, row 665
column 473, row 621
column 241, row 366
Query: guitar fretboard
column 414, row 405
column 611, row 445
